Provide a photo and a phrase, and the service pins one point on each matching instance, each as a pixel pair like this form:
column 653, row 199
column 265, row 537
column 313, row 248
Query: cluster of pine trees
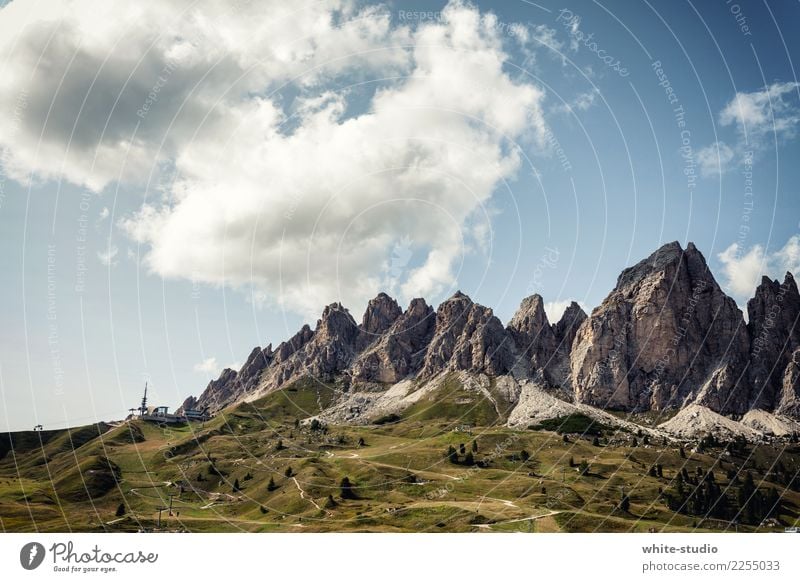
column 700, row 494
column 461, row 456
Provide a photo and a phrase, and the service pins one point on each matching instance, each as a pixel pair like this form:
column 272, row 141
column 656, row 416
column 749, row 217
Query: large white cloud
column 302, row 143
column 86, row 69
column 743, row 269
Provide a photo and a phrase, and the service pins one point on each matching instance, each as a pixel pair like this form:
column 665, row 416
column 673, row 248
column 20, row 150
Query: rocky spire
column 567, row 327
column 296, row 342
column 379, row 316
column 532, row 333
column 399, row 352
column 467, row 337
column 666, row 335
column 330, row 350
column 774, row 330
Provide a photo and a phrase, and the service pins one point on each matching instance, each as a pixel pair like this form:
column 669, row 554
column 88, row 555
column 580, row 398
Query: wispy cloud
column 208, row 366
column 771, row 109
column 756, row 115
column 580, row 102
column 715, row 159
column 108, row 257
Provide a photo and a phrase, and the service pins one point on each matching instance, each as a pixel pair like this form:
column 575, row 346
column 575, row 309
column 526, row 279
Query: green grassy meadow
column 289, row 475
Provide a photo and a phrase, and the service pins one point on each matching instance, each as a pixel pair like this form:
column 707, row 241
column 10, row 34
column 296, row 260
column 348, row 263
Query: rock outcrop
column 296, row 342
column 546, row 348
column 774, row 336
column 232, row 385
column 532, row 333
column 666, row 336
column 400, row 351
column 567, row 327
column 557, row 372
column 220, row 392
column 379, row 316
column 322, row 354
column 789, row 403
column 467, row 337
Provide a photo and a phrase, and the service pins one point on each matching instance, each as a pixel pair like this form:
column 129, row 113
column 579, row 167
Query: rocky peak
column 400, row 351
column 189, row 404
column 219, row 392
column 532, row 333
column 666, row 335
column 336, row 323
column 231, row 384
column 467, row 337
column 530, row 315
column 567, row 327
column 666, row 259
column 774, row 331
column 321, row 354
column 250, row 372
column 789, row 403
column 296, row 342
column 379, row 316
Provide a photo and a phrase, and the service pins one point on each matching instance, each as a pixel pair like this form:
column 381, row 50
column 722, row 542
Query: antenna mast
column 143, row 409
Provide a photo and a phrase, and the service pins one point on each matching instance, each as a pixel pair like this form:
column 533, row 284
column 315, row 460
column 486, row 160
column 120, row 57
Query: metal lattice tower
column 143, row 408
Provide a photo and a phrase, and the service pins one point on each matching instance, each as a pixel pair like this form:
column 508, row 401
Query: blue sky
column 173, row 196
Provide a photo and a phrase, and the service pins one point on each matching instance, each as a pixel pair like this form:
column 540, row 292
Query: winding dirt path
column 307, row 497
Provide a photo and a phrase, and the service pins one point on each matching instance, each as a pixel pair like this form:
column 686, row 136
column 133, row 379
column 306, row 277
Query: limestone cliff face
column 774, row 336
column 558, row 369
column 789, row 403
column 379, row 317
column 467, row 337
column 322, row 354
column 400, row 350
column 297, row 341
column 664, row 337
column 532, row 333
column 567, row 327
column 546, row 348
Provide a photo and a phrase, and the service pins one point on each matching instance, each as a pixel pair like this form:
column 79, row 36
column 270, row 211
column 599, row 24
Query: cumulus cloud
column 208, row 366
column 715, row 159
column 771, row 109
column 283, row 151
column 743, row 269
column 101, row 94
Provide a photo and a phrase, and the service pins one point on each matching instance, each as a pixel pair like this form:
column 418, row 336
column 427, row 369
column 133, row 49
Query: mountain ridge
column 666, row 337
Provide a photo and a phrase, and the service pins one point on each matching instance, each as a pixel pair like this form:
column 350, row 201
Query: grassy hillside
column 255, row 467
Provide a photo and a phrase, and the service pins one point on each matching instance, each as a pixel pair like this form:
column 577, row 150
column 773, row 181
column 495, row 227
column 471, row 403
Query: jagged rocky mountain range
column 666, row 338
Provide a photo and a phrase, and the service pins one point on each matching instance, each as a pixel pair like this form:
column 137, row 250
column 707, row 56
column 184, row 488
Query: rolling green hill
column 257, row 467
